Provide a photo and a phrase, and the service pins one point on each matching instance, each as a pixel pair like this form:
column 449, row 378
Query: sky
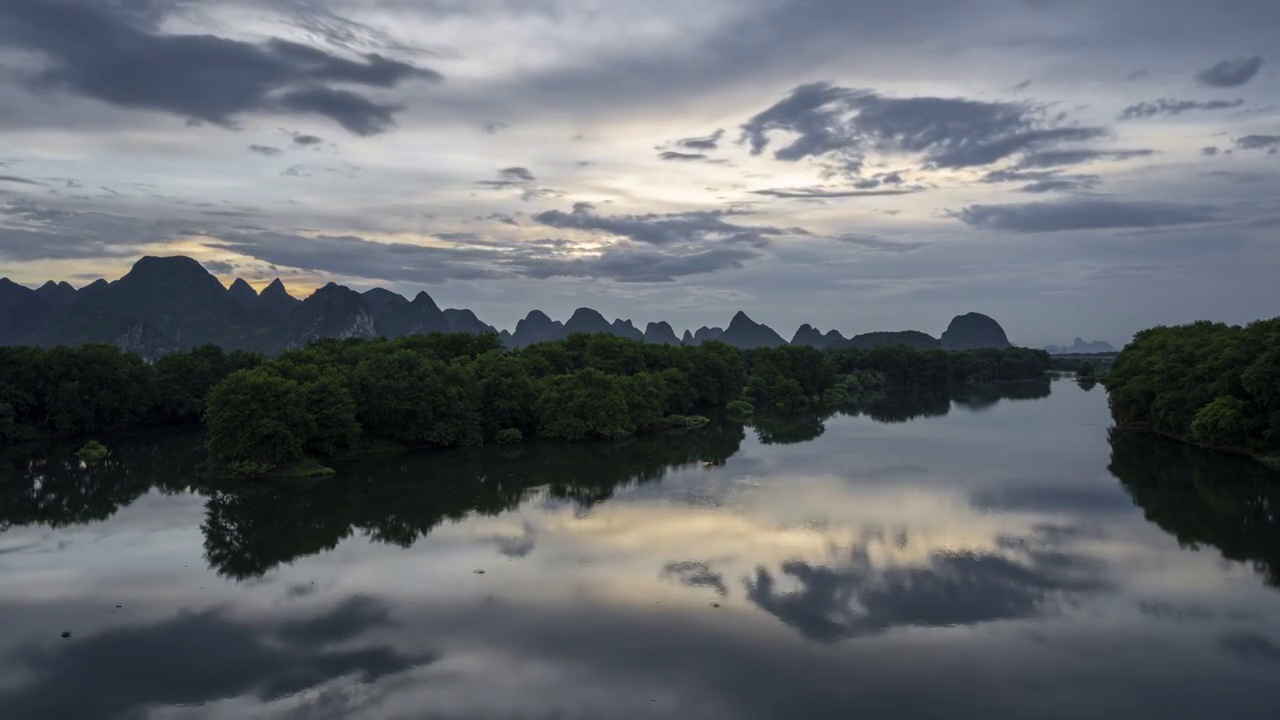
column 1069, row 167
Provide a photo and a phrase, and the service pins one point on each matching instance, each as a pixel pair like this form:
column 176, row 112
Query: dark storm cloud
column 859, row 599
column 821, row 193
column 654, row 229
column 1169, row 106
column 101, row 52
column 1258, row 142
column 682, row 157
column 1059, row 158
column 1083, row 214
column 709, row 142
column 265, row 150
column 1230, row 73
column 842, row 124
column 268, row 661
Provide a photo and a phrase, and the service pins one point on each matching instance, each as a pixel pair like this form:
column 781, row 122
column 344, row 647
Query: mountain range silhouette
column 166, row 304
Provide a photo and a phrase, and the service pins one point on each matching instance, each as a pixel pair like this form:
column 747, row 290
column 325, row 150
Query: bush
column 740, row 409
column 1221, row 423
column 93, row 451
column 510, row 436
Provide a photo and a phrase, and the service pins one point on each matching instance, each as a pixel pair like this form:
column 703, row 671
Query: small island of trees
column 336, row 397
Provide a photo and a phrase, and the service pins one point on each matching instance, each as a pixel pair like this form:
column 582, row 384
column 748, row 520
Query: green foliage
column 509, row 436
column 257, row 420
column 1221, row 423
column 92, row 452
column 1211, row 383
column 587, row 405
column 334, row 396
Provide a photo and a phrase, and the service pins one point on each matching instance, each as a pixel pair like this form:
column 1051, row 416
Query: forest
column 335, row 397
column 1207, row 383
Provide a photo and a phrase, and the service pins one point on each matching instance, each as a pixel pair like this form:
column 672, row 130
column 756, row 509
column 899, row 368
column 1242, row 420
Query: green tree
column 256, row 420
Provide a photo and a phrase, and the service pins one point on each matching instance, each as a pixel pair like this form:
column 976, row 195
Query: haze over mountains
column 1081, row 347
column 173, row 303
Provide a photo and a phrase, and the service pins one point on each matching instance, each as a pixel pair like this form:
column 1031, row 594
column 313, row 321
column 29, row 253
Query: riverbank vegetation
column 450, row 390
column 1207, row 383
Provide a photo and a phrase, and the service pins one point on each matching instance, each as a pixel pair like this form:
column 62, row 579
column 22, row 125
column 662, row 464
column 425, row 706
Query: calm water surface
column 970, row 557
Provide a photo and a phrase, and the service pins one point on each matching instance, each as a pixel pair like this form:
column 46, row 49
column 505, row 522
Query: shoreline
column 1271, row 461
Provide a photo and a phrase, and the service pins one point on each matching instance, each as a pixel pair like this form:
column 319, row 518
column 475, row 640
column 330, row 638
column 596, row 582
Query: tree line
column 1208, row 383
column 450, row 390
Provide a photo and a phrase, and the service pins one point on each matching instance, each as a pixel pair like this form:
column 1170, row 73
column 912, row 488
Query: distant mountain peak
column 973, row 331
column 243, row 293
column 746, row 334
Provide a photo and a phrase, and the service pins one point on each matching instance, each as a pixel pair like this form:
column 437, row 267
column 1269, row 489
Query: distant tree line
column 1208, row 383
column 450, row 390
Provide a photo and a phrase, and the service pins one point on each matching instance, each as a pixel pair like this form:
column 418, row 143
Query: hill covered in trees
column 1208, row 383
column 164, row 305
column 449, row 390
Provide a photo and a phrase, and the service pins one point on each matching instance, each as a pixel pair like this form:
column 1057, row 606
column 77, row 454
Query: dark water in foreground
column 975, row 558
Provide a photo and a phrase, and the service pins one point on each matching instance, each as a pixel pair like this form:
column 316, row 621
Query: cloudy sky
column 1069, row 167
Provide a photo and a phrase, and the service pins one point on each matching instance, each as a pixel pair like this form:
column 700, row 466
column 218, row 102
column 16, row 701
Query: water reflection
column 197, row 658
column 982, row 557
column 1203, row 498
column 862, row 597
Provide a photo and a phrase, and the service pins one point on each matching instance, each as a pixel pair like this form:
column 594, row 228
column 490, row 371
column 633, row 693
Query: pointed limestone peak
column 243, row 293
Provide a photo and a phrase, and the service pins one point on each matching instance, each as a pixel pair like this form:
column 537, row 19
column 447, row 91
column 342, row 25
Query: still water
column 1000, row 554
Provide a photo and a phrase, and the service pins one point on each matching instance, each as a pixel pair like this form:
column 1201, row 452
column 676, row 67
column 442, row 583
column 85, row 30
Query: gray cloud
column 821, row 193
column 843, row 124
column 1169, row 106
column 266, row 150
column 875, row 244
column 709, row 142
column 1209, row 151
column 103, row 52
column 355, row 256
column 306, row 140
column 654, row 229
column 510, row 177
column 1062, row 182
column 19, row 180
column 1258, row 142
column 517, row 173
column 682, row 157
column 29, row 232
column 1083, row 214
column 1230, row 73
column 1059, row 158
column 634, row 264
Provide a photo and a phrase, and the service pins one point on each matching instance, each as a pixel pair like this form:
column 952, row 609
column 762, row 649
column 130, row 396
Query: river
column 992, row 554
